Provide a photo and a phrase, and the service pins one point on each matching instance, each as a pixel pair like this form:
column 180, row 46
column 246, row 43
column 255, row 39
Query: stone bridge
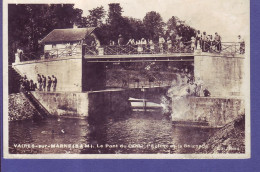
column 89, row 68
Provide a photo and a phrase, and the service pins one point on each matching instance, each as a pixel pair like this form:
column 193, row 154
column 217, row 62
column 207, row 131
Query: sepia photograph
column 126, row 79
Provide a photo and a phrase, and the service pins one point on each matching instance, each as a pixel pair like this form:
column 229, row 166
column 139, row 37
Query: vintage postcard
column 126, row 79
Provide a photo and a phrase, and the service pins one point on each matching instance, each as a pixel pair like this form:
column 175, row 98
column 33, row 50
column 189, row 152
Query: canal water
column 135, row 133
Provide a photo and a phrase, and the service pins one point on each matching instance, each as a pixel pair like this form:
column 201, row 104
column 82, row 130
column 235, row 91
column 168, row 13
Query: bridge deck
column 141, row 57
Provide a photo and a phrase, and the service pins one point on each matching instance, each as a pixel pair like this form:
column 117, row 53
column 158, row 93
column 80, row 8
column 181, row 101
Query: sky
column 229, row 18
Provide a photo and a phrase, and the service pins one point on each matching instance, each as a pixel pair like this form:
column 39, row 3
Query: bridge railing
column 63, row 52
column 225, row 48
column 230, row 48
column 53, row 53
column 166, row 48
column 30, row 56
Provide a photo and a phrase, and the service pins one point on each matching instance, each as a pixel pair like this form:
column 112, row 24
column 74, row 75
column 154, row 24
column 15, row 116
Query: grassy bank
column 20, row 108
column 229, row 139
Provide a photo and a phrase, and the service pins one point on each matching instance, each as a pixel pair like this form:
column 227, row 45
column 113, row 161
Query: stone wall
column 64, row 103
column 222, row 75
column 87, row 104
column 216, row 111
column 67, row 70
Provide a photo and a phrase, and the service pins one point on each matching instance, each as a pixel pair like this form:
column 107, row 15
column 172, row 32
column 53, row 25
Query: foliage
column 153, row 25
column 29, row 23
column 138, row 30
column 114, row 13
column 95, row 17
column 116, row 25
column 177, row 27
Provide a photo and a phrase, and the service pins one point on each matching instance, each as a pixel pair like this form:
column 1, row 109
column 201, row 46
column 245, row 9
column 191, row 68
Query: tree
column 137, row 29
column 153, row 25
column 114, row 13
column 116, row 25
column 64, row 15
column 115, row 20
column 29, row 23
column 185, row 31
column 95, row 17
column 177, row 27
column 172, row 27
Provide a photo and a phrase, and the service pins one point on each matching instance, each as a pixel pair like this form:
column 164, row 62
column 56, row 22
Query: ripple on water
column 151, row 128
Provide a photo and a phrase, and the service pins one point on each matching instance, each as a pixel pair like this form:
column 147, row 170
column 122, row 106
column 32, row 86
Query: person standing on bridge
column 144, row 44
column 198, row 39
column 217, row 40
column 241, row 44
column 204, row 41
column 120, row 40
column 211, row 43
column 151, row 44
column 161, row 44
column 54, row 83
column 49, row 83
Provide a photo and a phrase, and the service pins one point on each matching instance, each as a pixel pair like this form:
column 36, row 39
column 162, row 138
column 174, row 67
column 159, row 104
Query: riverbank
column 20, row 108
column 228, row 140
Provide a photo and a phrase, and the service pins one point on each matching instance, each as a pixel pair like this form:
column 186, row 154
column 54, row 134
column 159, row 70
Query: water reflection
column 150, row 132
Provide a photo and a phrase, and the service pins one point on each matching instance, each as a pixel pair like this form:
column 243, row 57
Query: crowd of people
column 27, row 85
column 202, row 41
column 44, row 83
column 196, row 88
column 206, row 42
column 193, row 86
column 162, row 45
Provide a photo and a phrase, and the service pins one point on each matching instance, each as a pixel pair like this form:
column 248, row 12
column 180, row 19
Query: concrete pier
column 215, row 111
column 223, row 76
